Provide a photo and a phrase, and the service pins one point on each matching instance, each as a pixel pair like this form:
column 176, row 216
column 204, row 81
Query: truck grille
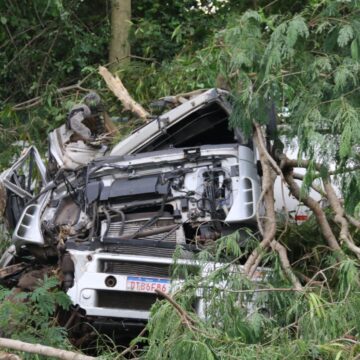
column 143, row 250
column 134, row 268
column 131, row 226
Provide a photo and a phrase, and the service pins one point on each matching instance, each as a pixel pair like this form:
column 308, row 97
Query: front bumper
column 101, row 283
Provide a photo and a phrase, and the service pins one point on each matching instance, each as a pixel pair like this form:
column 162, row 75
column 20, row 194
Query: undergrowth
column 29, row 316
column 260, row 319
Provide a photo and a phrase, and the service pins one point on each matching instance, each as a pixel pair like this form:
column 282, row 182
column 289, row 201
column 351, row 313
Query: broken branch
column 285, row 162
column 292, row 163
column 132, row 347
column 313, row 185
column 119, row 90
column 251, row 291
column 270, row 171
column 285, row 264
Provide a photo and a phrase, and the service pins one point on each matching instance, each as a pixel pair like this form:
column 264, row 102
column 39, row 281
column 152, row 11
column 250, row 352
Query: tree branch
column 7, row 356
column 131, row 347
column 305, row 163
column 119, row 90
column 316, row 209
column 313, row 186
column 250, row 291
column 42, row 350
column 353, row 221
column 28, row 104
column 270, row 171
column 267, row 194
column 285, row 264
column 340, row 217
column 186, row 319
column 286, row 162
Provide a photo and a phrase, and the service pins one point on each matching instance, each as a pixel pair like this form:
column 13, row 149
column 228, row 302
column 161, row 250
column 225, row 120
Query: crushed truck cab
column 114, row 219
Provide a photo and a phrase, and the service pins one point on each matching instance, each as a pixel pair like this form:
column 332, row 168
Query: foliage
column 308, row 64
column 302, row 57
column 44, row 45
column 48, row 42
column 264, row 319
column 47, row 45
column 28, row 316
column 161, row 31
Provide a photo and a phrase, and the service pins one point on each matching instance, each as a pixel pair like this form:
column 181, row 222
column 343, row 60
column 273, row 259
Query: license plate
column 147, row 284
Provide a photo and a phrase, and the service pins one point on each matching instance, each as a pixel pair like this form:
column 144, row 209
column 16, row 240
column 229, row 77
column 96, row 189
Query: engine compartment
column 186, row 197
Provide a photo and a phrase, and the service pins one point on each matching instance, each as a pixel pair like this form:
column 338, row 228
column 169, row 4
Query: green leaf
column 62, row 300
column 354, row 49
column 297, row 27
column 176, row 33
column 345, row 144
column 3, row 20
column 251, row 14
column 342, row 76
column 339, row 355
column 346, row 33
column 323, row 27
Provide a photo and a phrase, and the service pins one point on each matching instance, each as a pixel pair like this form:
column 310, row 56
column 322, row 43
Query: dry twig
column 132, row 347
column 7, row 356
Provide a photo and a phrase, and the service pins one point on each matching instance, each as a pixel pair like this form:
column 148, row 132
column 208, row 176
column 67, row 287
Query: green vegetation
column 304, row 59
column 320, row 322
column 28, row 316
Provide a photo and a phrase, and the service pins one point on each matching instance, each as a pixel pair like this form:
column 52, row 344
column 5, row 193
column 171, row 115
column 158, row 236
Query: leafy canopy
column 307, row 64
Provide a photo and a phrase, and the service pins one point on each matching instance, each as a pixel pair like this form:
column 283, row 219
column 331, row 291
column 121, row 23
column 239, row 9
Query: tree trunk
column 120, row 26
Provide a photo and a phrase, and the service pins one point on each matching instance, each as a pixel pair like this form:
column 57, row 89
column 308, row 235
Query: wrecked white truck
column 112, row 219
